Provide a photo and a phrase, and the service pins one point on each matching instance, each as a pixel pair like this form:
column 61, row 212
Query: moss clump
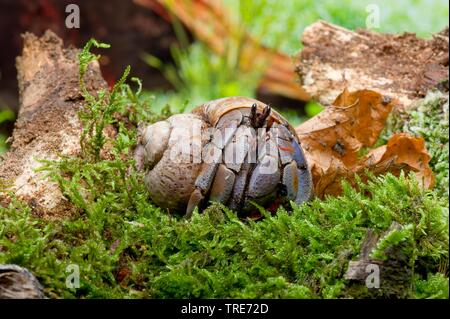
column 435, row 286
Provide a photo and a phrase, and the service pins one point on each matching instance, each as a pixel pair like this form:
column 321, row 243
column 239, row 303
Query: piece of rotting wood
column 401, row 66
column 47, row 124
column 370, row 277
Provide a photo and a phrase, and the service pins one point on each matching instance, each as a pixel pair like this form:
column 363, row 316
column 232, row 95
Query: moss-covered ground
column 125, row 247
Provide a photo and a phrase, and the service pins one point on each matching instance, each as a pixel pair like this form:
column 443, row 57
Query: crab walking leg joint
column 236, row 151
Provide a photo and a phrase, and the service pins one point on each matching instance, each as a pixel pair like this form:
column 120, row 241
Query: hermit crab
column 236, row 151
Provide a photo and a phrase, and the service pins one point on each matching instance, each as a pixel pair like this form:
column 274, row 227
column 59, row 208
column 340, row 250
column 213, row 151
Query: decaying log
column 394, row 274
column 401, row 66
column 18, row 283
column 47, row 124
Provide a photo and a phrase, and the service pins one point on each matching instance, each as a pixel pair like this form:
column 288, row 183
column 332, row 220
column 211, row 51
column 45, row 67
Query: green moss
column 435, row 286
column 299, row 255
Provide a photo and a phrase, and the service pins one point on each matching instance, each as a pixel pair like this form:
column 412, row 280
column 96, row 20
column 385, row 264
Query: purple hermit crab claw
column 236, row 151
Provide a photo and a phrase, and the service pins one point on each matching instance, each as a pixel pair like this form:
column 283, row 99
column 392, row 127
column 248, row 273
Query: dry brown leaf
column 333, row 139
column 402, row 152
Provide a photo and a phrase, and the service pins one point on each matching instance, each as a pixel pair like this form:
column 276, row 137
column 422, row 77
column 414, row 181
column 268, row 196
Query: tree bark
column 47, row 124
column 400, row 66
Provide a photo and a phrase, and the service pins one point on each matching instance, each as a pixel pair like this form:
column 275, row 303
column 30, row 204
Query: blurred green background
column 279, row 24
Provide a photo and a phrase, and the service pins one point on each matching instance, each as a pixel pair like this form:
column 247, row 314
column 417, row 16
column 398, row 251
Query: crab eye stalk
column 257, row 120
